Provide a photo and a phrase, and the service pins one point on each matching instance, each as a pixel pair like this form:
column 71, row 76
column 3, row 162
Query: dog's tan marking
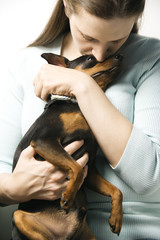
column 97, row 68
column 73, row 121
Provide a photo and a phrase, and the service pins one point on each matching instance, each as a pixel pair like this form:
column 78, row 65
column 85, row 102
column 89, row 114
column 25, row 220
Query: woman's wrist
column 82, row 86
column 5, row 193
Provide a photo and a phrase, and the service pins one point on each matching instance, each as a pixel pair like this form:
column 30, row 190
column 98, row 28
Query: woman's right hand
column 32, row 179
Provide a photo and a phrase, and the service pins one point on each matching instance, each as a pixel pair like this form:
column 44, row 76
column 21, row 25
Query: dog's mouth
column 107, row 71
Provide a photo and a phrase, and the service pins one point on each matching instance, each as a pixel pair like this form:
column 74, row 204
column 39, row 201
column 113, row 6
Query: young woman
column 125, row 119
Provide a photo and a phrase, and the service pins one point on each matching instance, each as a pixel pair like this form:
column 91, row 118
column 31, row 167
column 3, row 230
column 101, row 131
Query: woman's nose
column 100, row 53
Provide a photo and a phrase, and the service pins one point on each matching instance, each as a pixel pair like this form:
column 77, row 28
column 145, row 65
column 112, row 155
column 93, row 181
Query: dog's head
column 103, row 72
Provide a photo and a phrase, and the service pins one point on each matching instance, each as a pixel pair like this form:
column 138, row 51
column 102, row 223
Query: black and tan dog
column 60, row 124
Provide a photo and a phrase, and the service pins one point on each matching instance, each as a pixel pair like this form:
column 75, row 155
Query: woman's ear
column 64, row 2
column 66, row 8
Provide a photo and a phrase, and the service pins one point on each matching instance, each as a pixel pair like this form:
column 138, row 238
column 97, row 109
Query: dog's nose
column 119, row 57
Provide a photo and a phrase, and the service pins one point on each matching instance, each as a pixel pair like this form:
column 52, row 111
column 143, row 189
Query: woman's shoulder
column 139, row 45
column 24, row 65
column 141, row 49
column 141, row 57
column 31, row 56
column 141, row 39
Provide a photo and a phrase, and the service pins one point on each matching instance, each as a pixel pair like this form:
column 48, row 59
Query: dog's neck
column 55, row 98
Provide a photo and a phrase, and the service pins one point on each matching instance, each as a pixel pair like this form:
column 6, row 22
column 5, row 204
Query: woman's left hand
column 53, row 79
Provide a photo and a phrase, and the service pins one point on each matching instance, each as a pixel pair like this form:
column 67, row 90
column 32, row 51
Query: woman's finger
column 29, row 152
column 73, row 147
column 83, row 160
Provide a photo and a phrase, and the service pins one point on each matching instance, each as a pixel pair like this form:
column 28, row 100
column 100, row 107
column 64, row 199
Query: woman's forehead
column 102, row 29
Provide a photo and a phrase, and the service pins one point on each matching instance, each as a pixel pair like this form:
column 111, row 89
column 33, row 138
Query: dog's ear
column 55, row 59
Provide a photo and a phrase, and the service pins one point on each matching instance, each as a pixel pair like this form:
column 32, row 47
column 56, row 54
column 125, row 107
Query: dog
column 60, row 124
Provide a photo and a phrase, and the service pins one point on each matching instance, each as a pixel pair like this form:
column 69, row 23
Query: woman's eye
column 116, row 42
column 87, row 38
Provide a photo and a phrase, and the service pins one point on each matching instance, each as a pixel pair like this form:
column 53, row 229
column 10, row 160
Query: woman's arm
column 111, row 129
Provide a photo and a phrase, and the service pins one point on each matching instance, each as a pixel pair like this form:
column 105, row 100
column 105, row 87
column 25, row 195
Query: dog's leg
column 98, row 184
column 54, row 153
column 29, row 225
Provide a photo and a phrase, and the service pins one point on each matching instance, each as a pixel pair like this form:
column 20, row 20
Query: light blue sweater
column 136, row 94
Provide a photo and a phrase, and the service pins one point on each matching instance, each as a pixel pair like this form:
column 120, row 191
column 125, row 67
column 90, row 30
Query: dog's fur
column 60, row 124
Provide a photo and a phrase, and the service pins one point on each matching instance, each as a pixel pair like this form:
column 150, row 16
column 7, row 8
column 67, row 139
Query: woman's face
column 97, row 36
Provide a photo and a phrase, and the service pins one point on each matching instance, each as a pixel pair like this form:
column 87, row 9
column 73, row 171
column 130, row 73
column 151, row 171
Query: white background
column 21, row 21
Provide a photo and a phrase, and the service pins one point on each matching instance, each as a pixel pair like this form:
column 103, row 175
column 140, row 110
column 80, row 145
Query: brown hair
column 58, row 23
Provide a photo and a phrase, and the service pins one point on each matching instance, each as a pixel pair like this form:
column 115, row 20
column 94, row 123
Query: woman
column 124, row 120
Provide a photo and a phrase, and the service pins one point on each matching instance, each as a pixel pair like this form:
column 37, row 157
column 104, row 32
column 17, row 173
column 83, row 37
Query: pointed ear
column 56, row 59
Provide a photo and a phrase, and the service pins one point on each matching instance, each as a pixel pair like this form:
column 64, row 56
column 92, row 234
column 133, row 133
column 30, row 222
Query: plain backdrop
column 21, row 21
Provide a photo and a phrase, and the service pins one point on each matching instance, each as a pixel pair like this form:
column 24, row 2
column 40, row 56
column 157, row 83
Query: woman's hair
column 107, row 9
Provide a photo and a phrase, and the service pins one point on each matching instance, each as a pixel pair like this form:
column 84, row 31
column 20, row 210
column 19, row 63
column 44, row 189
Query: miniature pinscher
column 60, row 124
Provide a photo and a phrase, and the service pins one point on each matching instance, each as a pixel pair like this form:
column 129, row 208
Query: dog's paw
column 66, row 201
column 116, row 224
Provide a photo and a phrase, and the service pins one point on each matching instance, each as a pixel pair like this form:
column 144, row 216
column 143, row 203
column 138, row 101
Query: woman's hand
column 32, row 179
column 53, row 79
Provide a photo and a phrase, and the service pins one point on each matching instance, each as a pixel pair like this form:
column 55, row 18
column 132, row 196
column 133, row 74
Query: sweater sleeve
column 139, row 165
column 11, row 96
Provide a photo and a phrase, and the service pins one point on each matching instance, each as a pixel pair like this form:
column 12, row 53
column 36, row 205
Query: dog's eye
column 91, row 58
